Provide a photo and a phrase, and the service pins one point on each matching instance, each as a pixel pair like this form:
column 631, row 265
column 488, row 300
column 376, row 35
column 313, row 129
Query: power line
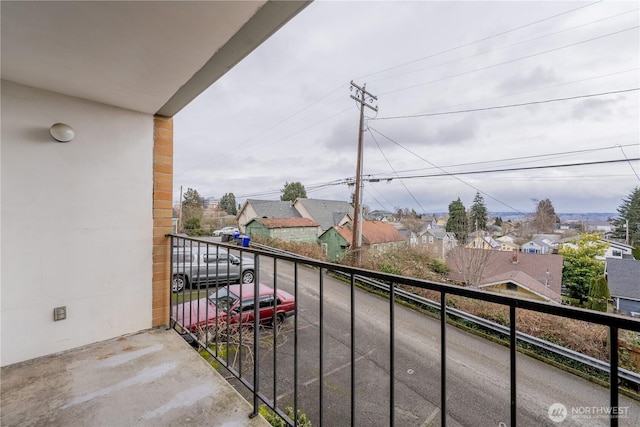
column 454, row 176
column 480, row 40
column 511, row 60
column 630, row 165
column 522, row 158
column 525, row 168
column 503, row 47
column 394, row 171
column 497, row 107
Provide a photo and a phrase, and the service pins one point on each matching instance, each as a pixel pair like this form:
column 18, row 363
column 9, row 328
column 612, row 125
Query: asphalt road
column 477, row 370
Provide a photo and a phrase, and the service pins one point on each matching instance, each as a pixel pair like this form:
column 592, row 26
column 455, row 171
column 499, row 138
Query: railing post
column 353, row 349
column 613, row 375
column 391, row 354
column 321, row 344
column 443, row 359
column 513, row 350
column 295, row 344
column 256, row 338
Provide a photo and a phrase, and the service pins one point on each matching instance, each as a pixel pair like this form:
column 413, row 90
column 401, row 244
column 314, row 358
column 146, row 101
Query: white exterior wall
column 76, row 223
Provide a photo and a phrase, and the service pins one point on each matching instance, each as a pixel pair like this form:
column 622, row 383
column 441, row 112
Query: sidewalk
column 152, row 378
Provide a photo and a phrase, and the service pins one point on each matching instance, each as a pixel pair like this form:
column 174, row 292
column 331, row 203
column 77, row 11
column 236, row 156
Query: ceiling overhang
column 152, row 57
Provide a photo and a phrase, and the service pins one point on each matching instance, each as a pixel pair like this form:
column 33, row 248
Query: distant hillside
column 564, row 216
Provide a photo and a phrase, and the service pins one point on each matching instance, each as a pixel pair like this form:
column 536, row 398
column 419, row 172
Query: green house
column 290, row 229
column 376, row 236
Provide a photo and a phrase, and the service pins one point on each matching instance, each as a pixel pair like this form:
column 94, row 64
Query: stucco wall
column 76, row 223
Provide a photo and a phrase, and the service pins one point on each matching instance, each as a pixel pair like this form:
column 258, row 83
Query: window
column 182, row 257
column 248, row 306
column 616, row 253
column 430, row 239
column 424, row 239
column 266, row 302
column 512, row 287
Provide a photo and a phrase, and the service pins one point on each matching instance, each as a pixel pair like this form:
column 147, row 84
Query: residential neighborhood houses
column 487, row 260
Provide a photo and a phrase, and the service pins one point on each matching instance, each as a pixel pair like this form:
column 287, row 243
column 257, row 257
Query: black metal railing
column 239, row 345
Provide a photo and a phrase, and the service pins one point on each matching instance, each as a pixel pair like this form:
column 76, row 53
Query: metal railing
column 254, row 369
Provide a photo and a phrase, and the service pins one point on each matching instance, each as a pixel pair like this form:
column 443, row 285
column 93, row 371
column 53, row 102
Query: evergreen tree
column 457, row 222
column 479, row 215
column 292, row 191
column 192, row 210
column 598, row 294
column 629, row 212
column 228, row 203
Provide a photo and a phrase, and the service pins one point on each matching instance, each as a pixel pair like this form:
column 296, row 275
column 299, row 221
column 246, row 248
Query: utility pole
column 365, row 99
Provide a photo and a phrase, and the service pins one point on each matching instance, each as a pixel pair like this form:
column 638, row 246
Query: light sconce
column 62, row 132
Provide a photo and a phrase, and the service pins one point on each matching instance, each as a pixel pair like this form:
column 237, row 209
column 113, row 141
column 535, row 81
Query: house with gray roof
column 436, row 241
column 623, row 277
column 327, row 213
column 525, row 275
column 253, row 208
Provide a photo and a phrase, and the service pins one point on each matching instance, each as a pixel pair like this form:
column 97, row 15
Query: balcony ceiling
column 147, row 56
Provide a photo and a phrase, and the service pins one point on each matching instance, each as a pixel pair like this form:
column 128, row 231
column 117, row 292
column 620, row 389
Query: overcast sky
column 284, row 114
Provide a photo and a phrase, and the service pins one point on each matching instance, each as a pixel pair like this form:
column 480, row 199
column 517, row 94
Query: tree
column 479, row 214
column 545, row 218
column 413, row 224
column 498, row 221
column 629, row 212
column 581, row 265
column 228, row 203
column 192, row 210
column 292, row 191
column 457, row 222
column 471, row 263
column 598, row 294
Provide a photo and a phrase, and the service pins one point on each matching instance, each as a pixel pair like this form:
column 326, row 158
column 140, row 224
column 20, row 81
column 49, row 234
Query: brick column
column 162, row 216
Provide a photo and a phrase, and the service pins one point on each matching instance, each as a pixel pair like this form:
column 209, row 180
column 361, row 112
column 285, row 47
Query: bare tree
column 470, row 263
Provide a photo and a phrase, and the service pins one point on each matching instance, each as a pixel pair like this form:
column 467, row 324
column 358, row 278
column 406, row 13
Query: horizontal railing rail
column 630, row 376
column 263, row 257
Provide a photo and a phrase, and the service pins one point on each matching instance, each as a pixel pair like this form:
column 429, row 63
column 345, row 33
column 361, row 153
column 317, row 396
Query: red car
column 229, row 303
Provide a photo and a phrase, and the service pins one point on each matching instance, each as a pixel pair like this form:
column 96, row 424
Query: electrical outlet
column 59, row 313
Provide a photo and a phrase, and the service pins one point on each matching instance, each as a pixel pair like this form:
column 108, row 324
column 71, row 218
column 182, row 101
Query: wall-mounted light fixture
column 62, row 132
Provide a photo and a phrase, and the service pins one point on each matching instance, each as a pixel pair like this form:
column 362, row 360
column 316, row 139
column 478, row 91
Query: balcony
column 347, row 357
column 354, row 357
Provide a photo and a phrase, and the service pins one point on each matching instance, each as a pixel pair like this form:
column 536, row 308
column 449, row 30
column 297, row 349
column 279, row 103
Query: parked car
column 233, row 302
column 194, row 266
column 225, row 230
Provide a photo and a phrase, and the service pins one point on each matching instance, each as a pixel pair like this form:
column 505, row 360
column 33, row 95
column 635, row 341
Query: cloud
column 533, row 79
column 594, row 109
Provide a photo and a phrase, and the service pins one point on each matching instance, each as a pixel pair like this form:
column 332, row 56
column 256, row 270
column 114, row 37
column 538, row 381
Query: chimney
column 514, row 259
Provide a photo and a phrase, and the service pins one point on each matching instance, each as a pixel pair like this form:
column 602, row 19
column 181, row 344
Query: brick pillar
column 162, row 216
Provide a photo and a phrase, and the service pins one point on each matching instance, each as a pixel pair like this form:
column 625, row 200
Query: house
column 617, row 250
column 327, row 213
column 113, row 74
column 541, row 244
column 624, row 285
column 291, row 229
column 482, row 240
column 525, row 275
column 376, row 235
column 436, row 241
column 253, row 208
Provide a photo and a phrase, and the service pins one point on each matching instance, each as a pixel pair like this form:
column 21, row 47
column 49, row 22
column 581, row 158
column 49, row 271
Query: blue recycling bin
column 245, row 241
column 236, row 235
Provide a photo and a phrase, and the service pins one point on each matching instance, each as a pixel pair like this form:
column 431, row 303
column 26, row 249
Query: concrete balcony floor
column 152, row 378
